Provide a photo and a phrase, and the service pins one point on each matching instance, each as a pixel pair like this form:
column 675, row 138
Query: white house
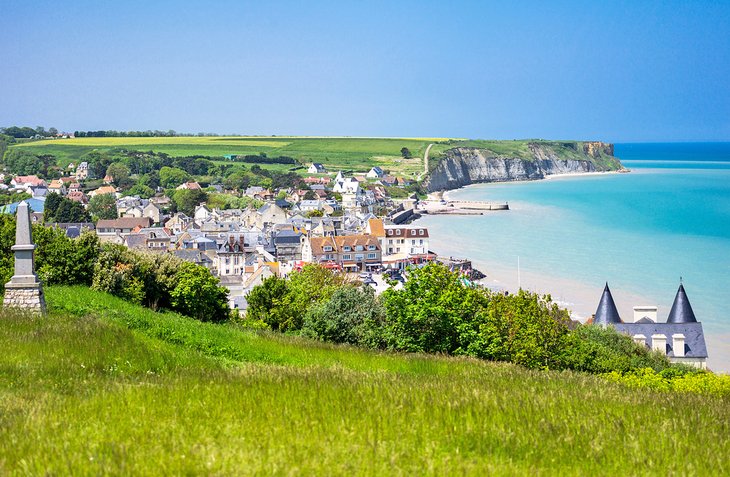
column 375, row 173
column 316, row 168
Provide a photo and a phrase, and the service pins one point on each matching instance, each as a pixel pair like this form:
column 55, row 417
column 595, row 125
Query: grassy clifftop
column 336, row 153
column 102, row 386
column 601, row 154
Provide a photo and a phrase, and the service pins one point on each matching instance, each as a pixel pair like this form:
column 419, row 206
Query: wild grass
column 102, row 387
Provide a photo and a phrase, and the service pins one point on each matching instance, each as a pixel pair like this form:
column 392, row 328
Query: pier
column 459, row 207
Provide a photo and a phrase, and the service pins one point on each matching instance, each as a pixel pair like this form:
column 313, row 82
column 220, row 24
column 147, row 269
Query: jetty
column 459, row 207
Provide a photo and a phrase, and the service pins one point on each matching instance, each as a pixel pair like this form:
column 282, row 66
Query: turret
column 681, row 311
column 606, row 313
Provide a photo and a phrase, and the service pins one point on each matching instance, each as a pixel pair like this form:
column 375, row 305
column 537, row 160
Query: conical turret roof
column 681, row 311
column 606, row 312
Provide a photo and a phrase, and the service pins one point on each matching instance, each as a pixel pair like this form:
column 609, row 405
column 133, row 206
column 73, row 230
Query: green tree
column 103, row 206
column 352, row 315
column 186, row 200
column 142, row 191
column 198, row 294
column 118, row 171
column 268, row 301
column 172, row 177
column 425, row 315
column 62, row 260
column 310, row 195
column 53, row 201
column 71, row 212
column 406, row 153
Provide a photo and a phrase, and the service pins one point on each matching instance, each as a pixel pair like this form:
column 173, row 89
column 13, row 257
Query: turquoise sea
column 640, row 232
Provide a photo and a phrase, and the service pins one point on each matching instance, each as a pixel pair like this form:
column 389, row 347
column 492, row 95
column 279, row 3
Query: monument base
column 25, row 296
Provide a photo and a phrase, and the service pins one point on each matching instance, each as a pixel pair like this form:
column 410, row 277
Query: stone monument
column 24, row 290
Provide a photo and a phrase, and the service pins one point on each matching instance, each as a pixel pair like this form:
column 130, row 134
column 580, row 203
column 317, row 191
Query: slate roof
column 694, row 338
column 287, row 237
column 681, row 311
column 606, row 312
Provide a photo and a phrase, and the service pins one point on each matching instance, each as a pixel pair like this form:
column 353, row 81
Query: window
column 347, row 248
column 420, row 232
column 347, row 257
column 371, row 255
column 421, row 242
column 359, row 248
column 413, row 232
column 371, row 247
column 413, row 242
column 397, row 232
column 327, row 248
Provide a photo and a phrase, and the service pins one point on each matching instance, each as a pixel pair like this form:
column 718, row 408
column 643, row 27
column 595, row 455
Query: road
column 425, row 161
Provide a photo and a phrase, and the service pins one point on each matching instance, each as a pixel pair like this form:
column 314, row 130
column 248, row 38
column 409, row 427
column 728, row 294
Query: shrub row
column 153, row 280
column 436, row 312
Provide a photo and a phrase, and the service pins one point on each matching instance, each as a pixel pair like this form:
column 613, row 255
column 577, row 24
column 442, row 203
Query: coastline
column 575, row 296
column 580, row 292
column 446, row 194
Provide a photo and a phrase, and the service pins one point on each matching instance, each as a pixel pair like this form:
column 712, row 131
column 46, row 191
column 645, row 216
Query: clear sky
column 615, row 71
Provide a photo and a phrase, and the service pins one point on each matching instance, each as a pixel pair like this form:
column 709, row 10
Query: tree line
column 435, row 312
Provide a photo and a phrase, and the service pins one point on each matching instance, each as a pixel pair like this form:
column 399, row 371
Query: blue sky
column 615, row 71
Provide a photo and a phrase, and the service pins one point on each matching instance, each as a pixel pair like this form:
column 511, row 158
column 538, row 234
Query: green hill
column 101, row 386
column 336, row 153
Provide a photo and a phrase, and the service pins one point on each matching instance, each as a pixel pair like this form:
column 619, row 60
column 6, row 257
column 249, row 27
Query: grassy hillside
column 102, row 386
column 334, row 152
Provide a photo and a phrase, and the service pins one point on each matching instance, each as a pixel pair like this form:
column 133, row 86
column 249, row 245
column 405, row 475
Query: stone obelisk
column 24, row 290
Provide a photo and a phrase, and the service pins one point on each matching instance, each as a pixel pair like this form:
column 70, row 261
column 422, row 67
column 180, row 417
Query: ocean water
column 640, row 232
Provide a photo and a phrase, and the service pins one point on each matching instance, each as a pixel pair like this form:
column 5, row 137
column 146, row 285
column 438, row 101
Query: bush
column 595, row 349
column 700, row 382
column 160, row 281
column 352, row 315
column 197, row 294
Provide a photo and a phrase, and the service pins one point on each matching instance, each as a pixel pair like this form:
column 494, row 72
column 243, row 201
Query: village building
column 190, row 185
column 288, row 245
column 375, row 173
column 57, row 187
column 345, row 252
column 114, row 230
column 681, row 337
column 316, row 168
column 26, row 182
column 103, row 190
column 82, row 171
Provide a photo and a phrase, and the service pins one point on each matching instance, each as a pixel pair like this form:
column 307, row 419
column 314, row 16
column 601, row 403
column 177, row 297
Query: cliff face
column 468, row 165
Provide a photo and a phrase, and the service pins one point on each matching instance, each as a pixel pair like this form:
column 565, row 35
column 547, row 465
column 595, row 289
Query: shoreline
column 578, row 298
column 445, row 194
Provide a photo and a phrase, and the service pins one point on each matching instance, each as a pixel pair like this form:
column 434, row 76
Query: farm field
column 336, row 153
column 101, row 386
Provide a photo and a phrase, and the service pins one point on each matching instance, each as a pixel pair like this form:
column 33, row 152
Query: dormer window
column 397, row 232
column 327, row 248
column 347, row 248
column 413, row 232
column 371, row 247
column 420, row 232
column 359, row 248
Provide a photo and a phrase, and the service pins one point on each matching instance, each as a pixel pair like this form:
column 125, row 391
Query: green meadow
column 101, row 386
column 357, row 154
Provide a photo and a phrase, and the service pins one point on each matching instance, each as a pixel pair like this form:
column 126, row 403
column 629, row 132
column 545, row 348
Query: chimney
column 639, row 339
column 678, row 345
column 645, row 311
column 659, row 343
